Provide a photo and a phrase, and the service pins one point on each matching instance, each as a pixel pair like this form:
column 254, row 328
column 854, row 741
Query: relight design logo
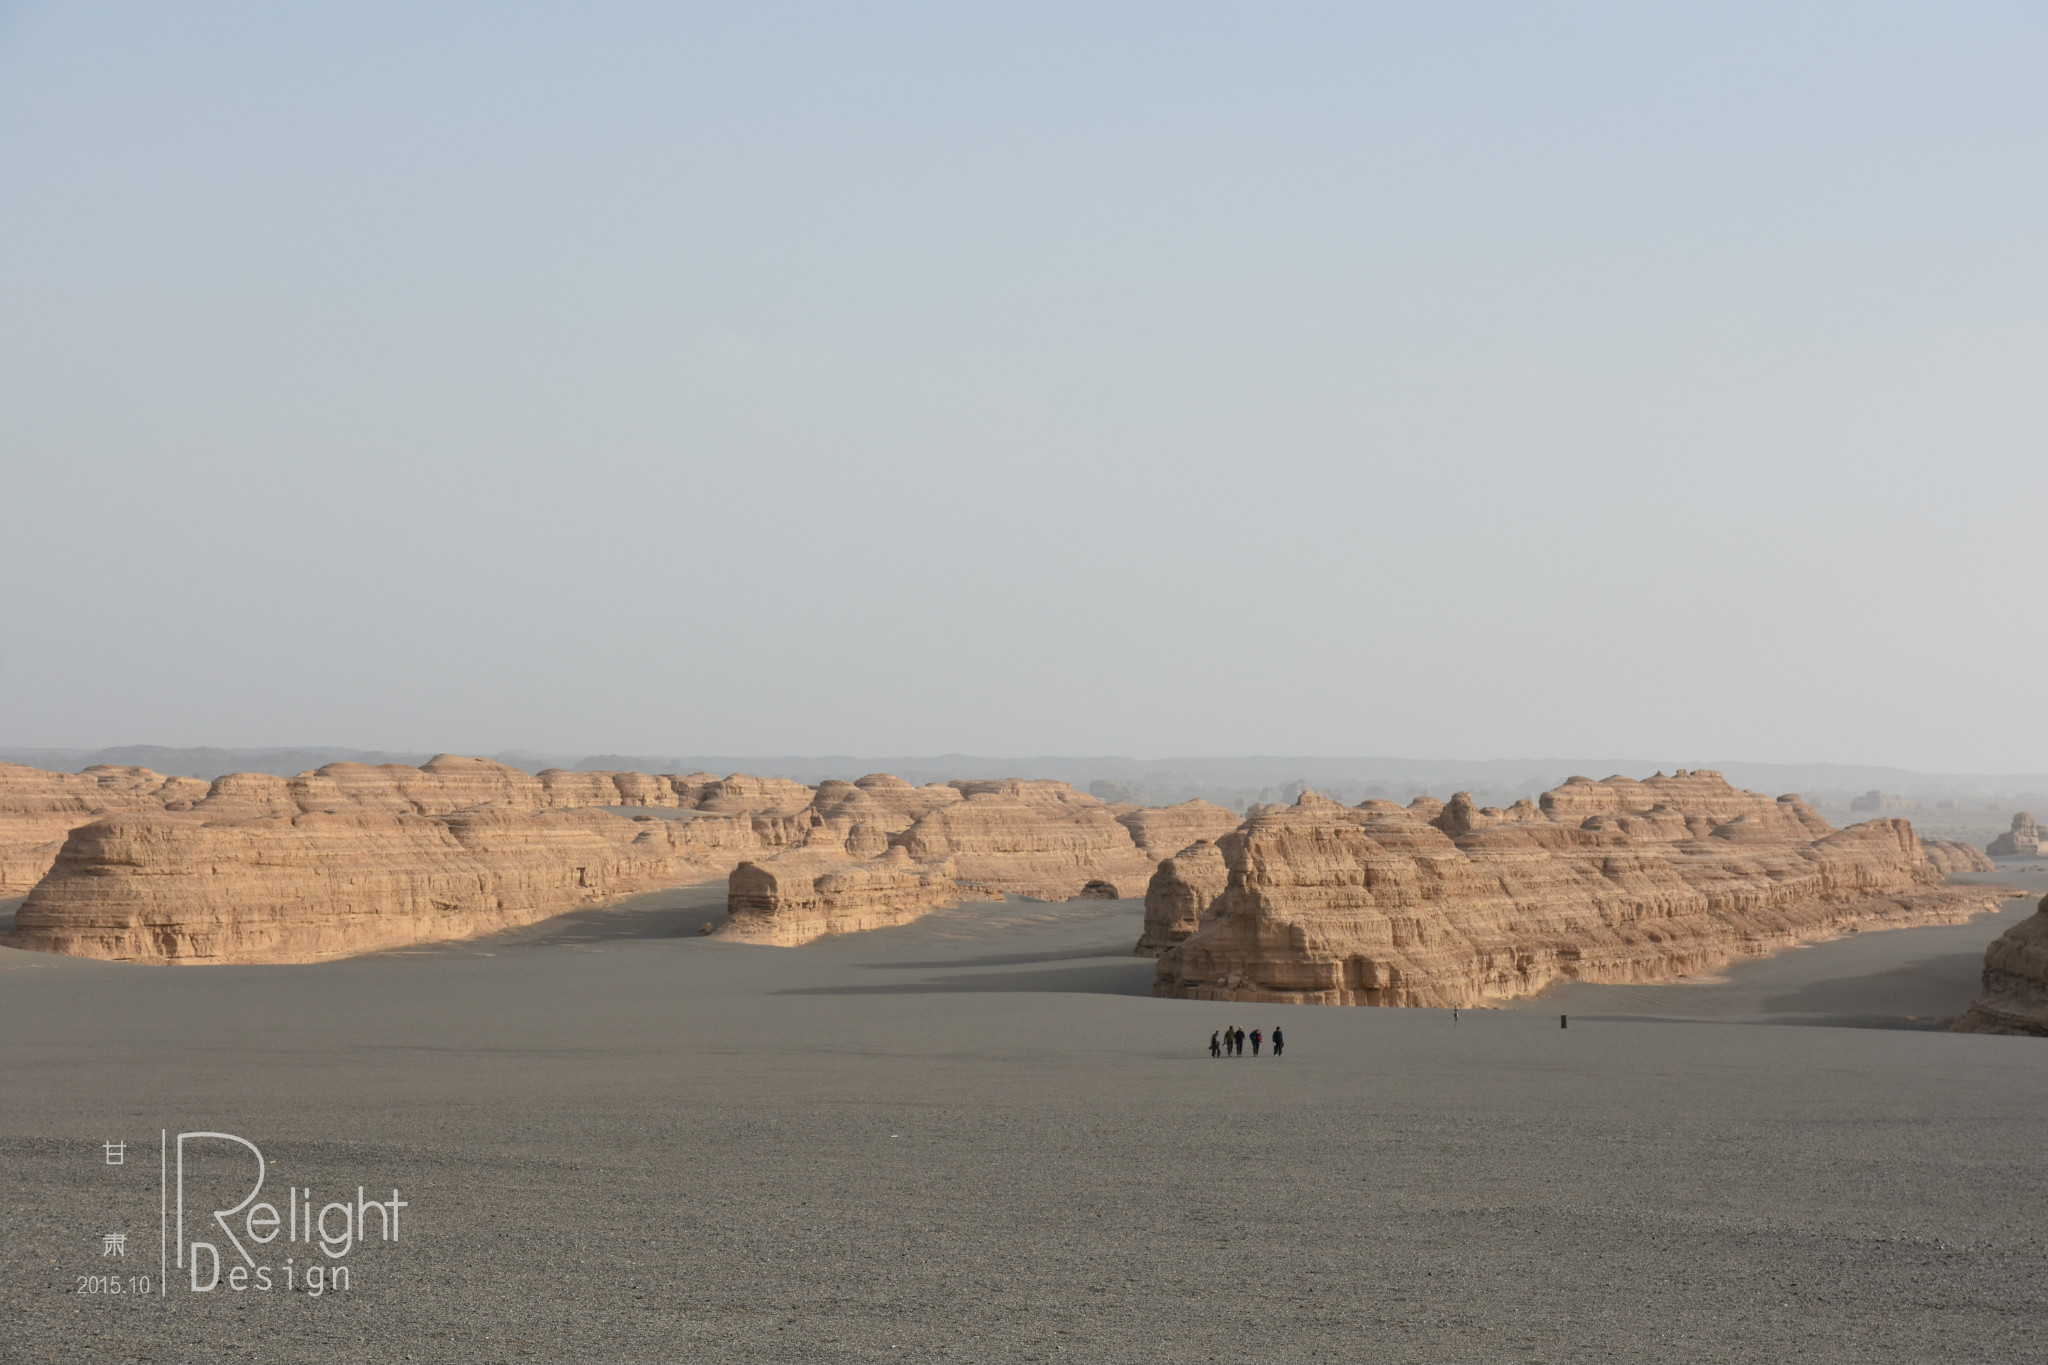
column 251, row 1244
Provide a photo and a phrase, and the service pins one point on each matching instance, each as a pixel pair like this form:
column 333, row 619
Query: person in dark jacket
column 1215, row 1045
column 1240, row 1042
column 1256, row 1036
column 1278, row 1042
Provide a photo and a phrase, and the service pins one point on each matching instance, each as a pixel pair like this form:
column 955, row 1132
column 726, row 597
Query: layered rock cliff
column 39, row 809
column 184, row 887
column 1162, row 831
column 1030, row 838
column 1181, row 895
column 880, row 852
column 805, row 894
column 2015, row 996
column 352, row 858
column 1620, row 880
column 1950, row 856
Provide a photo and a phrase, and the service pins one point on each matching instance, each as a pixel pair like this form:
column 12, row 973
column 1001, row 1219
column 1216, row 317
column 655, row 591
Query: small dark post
column 1561, row 1022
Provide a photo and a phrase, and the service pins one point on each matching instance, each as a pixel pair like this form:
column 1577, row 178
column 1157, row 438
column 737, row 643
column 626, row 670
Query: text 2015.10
column 112, row 1284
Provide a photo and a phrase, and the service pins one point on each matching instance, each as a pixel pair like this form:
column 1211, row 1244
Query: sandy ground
column 976, row 1137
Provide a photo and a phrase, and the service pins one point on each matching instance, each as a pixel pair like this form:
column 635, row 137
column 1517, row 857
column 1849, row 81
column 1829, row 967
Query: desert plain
column 978, row 1136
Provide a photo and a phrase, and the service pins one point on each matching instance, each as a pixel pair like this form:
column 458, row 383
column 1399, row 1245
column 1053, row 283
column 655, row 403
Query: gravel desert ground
column 978, row 1137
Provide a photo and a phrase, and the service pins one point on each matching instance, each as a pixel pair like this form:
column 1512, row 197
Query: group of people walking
column 1231, row 1041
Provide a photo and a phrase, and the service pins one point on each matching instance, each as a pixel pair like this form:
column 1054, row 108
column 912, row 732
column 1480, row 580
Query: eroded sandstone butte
column 39, row 809
column 1162, row 831
column 1181, row 894
column 1950, row 856
column 352, row 858
column 181, row 887
column 2023, row 838
column 2015, row 996
column 880, row 852
column 1032, row 838
column 805, row 894
column 1620, row 880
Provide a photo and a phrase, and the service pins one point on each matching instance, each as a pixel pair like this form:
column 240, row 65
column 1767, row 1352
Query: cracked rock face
column 1621, row 880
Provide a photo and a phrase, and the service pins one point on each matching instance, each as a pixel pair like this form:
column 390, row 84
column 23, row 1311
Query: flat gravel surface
column 977, row 1138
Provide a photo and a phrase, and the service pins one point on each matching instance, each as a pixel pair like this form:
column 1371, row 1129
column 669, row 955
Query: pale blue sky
column 1464, row 381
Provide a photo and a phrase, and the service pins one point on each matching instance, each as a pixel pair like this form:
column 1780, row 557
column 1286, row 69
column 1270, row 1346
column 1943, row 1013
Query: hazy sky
column 1439, row 380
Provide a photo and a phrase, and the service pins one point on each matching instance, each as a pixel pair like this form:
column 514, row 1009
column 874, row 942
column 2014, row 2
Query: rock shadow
column 1131, row 977
column 680, row 912
column 1090, row 953
column 1937, row 988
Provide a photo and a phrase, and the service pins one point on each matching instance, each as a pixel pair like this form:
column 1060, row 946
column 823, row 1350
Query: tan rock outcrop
column 2015, row 996
column 880, row 852
column 888, row 803
column 565, row 790
column 1950, row 856
column 1181, row 894
column 1422, row 807
column 451, row 782
column 352, row 858
column 2023, row 838
column 186, row 887
column 1617, row 881
column 807, row 893
column 1030, row 838
column 1461, row 816
column 38, row 809
column 1162, row 831
column 741, row 794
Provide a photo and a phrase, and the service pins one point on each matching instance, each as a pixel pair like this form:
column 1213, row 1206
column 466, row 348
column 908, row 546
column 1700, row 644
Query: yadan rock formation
column 1181, row 895
column 1950, row 856
column 2024, row 837
column 881, row 852
column 183, row 887
column 1601, row 881
column 1041, row 839
column 39, row 809
column 2015, row 997
column 803, row 895
column 1162, row 831
column 352, row 858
